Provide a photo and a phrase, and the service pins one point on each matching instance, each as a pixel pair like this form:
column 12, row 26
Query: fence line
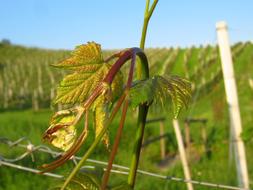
column 3, row 163
column 30, row 148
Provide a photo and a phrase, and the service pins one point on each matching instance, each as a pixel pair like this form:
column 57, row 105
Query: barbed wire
column 119, row 169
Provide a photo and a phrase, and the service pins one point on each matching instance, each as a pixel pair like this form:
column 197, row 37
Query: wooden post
column 250, row 83
column 162, row 141
column 233, row 105
column 40, row 88
column 187, row 134
column 203, row 135
column 182, row 153
column 1, row 87
column 35, row 101
column 5, row 91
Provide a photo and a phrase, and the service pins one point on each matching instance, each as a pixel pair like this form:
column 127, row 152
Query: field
column 28, row 84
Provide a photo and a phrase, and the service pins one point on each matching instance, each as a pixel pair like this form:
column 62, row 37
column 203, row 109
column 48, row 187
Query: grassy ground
column 215, row 166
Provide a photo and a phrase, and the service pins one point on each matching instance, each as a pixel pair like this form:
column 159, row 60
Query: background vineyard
column 28, row 84
column 27, row 79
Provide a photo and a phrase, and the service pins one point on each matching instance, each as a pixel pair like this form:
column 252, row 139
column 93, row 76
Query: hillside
column 27, row 80
column 28, row 83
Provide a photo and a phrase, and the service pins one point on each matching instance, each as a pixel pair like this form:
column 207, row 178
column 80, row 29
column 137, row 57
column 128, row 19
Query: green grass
column 214, row 167
column 30, row 124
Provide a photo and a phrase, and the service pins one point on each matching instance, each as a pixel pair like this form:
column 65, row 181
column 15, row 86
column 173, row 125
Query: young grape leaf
column 117, row 86
column 159, row 88
column 82, row 181
column 78, row 86
column 123, row 186
column 88, row 56
column 62, row 130
column 101, row 116
column 89, row 70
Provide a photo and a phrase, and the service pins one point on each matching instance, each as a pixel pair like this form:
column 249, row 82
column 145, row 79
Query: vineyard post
column 162, row 141
column 182, row 153
column 233, row 105
column 187, row 134
column 203, row 135
column 35, row 101
column 250, row 80
column 1, row 86
column 5, row 91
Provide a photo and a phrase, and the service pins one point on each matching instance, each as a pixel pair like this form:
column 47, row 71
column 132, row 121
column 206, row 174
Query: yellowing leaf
column 64, row 137
column 101, row 106
column 85, row 57
column 117, row 86
column 89, row 70
column 75, row 88
column 78, row 86
column 62, row 130
column 101, row 116
column 87, row 62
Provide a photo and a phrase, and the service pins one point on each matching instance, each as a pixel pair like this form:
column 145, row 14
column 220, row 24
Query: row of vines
column 27, row 79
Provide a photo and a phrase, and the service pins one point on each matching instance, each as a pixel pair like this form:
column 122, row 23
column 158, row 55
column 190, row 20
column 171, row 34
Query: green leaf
column 82, row 181
column 123, row 186
column 62, row 130
column 160, row 88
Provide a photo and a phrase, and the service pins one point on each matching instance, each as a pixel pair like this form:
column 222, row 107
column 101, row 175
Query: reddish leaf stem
column 121, row 125
column 94, row 144
column 70, row 152
column 113, row 56
column 115, row 146
column 125, row 56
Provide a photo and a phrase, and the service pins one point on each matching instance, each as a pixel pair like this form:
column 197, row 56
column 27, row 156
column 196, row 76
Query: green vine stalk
column 109, row 78
column 143, row 109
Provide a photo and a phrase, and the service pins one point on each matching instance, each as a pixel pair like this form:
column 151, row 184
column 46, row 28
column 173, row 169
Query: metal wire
column 30, row 148
column 3, row 163
column 32, row 170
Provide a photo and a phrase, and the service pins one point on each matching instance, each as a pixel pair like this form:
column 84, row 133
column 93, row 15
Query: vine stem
column 121, row 125
column 142, row 73
column 94, row 144
column 115, row 146
column 147, row 15
column 124, row 57
column 143, row 109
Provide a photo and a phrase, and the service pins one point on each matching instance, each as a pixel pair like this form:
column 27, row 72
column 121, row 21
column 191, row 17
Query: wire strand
column 30, row 148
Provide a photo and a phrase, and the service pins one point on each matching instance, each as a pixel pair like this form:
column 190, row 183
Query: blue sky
column 117, row 23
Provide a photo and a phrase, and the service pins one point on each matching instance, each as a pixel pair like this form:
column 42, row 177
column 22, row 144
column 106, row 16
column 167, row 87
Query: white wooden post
column 233, row 105
column 182, row 153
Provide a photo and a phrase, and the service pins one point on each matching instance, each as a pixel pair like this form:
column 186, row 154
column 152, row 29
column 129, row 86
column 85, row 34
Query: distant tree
column 1, row 66
column 5, row 42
